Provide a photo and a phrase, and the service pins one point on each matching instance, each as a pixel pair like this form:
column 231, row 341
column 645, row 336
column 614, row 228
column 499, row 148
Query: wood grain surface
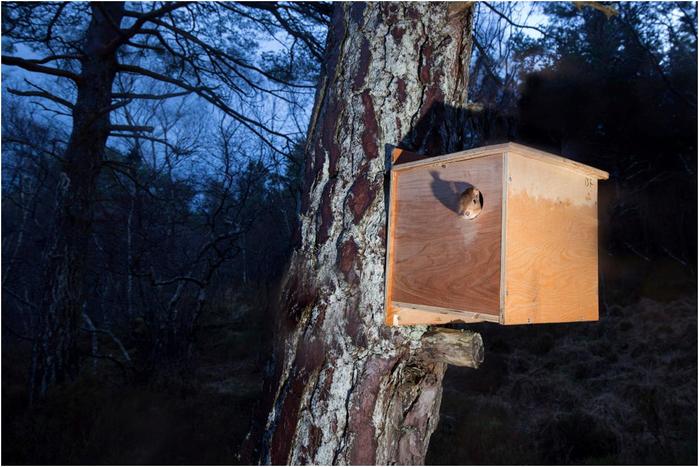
column 438, row 258
column 530, row 257
column 411, row 161
column 407, row 314
column 551, row 243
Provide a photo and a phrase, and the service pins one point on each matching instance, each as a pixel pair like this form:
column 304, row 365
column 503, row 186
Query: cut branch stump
column 453, row 346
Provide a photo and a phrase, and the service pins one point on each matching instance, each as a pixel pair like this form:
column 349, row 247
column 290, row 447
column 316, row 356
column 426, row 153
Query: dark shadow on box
column 441, row 130
column 448, row 191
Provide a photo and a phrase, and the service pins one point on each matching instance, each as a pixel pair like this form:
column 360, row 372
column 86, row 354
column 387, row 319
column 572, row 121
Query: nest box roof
column 516, row 148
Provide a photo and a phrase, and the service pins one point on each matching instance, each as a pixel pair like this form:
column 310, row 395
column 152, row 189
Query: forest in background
column 195, row 221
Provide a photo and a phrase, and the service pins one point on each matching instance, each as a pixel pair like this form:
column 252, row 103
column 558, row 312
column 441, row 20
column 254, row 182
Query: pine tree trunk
column 346, row 389
column 55, row 356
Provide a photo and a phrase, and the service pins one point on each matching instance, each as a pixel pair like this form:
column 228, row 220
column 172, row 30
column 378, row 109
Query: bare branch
column 114, row 166
column 53, row 111
column 131, row 95
column 315, row 47
column 221, row 54
column 16, row 333
column 42, row 94
column 135, row 128
column 32, row 144
column 137, row 70
column 119, row 344
column 54, row 19
column 53, row 58
column 117, row 105
column 17, row 297
column 141, row 19
column 486, row 58
column 178, row 279
column 35, row 66
column 147, row 138
column 508, row 20
column 213, row 99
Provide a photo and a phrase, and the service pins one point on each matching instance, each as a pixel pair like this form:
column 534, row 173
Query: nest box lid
column 403, row 159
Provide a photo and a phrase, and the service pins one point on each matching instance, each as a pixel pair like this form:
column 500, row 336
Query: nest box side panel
column 550, row 257
column 443, row 267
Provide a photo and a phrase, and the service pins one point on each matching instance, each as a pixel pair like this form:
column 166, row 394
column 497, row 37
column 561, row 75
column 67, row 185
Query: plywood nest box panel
column 528, row 255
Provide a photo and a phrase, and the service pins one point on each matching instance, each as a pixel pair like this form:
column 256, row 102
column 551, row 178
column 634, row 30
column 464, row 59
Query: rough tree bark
column 346, row 389
column 54, row 357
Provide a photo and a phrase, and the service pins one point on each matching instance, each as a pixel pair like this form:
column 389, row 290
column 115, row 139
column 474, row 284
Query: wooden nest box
column 530, row 256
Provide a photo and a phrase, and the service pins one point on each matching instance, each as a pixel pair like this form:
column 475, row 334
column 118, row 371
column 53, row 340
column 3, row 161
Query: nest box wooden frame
column 529, row 257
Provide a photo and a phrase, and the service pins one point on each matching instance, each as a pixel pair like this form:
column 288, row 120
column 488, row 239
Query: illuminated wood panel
column 529, row 257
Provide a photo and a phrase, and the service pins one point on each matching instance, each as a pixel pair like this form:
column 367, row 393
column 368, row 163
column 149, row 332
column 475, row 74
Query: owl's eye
column 474, row 201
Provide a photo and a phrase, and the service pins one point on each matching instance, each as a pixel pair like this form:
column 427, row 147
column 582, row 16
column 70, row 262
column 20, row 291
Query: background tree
column 190, row 49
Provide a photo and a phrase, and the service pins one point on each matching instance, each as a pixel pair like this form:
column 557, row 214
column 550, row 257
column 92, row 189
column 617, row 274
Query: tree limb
column 141, row 19
column 93, row 329
column 42, row 94
column 453, row 346
column 35, row 66
column 507, row 19
column 221, row 54
column 131, row 95
column 54, row 19
column 147, row 138
column 131, row 128
column 249, row 123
